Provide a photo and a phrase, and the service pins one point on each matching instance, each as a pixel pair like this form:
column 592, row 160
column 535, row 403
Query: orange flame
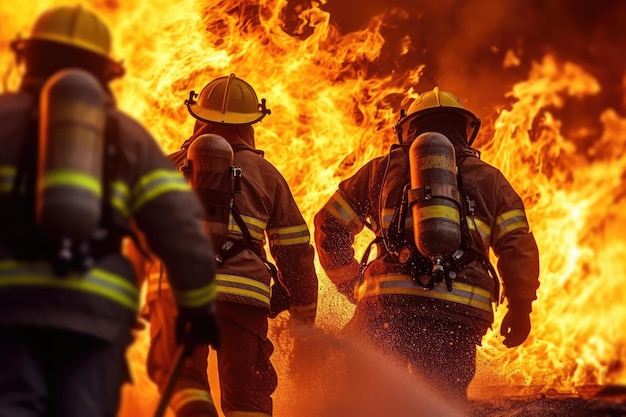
column 329, row 117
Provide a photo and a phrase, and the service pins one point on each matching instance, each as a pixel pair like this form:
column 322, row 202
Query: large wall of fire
column 547, row 79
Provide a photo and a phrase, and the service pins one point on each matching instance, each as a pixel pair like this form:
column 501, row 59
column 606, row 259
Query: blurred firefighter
column 246, row 204
column 74, row 173
column 435, row 209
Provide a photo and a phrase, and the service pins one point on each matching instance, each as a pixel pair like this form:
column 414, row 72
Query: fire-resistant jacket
column 498, row 221
column 145, row 188
column 271, row 215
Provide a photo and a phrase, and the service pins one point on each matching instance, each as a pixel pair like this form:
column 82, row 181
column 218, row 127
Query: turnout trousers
column 435, row 344
column 246, row 376
column 46, row 372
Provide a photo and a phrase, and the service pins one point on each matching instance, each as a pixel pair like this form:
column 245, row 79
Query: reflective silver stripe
column 508, row 222
column 97, row 281
column 256, row 227
column 188, row 395
column 342, row 211
column 461, row 293
column 286, row 236
column 7, row 178
column 155, row 184
column 243, row 287
column 387, row 216
column 196, row 297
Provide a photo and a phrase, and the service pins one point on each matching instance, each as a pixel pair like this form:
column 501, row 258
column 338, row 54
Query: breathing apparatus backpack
column 442, row 244
column 207, row 164
column 56, row 210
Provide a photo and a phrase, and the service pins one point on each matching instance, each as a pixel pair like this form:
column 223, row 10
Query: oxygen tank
column 210, row 174
column 435, row 198
column 71, row 141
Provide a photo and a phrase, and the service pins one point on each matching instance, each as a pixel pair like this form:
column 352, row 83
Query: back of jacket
column 144, row 189
column 271, row 215
column 372, row 196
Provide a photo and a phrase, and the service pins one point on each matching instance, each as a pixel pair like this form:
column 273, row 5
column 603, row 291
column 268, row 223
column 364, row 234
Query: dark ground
column 608, row 402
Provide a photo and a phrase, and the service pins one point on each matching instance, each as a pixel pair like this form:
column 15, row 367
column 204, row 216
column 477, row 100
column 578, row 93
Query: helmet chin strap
column 472, row 137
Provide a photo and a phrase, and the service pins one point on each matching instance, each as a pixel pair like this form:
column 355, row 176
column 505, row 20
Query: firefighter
column 250, row 287
column 431, row 311
column 74, row 173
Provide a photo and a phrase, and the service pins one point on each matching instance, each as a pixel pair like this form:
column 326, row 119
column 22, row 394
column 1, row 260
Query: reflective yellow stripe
column 255, row 223
column 342, row 211
column 188, row 395
column 196, row 297
column 461, row 293
column 482, row 229
column 120, row 198
column 97, row 281
column 303, row 312
column 473, row 223
column 243, row 286
column 286, row 236
column 305, row 308
column 430, row 212
column 7, row 178
column 75, row 179
column 157, row 183
column 256, row 227
column 509, row 221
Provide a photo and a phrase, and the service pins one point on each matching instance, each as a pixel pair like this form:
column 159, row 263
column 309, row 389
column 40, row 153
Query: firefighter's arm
column 297, row 290
column 336, row 225
column 515, row 246
column 169, row 215
column 290, row 245
column 518, row 265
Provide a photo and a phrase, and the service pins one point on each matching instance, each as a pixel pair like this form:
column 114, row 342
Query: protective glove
column 198, row 329
column 349, row 289
column 515, row 326
column 279, row 300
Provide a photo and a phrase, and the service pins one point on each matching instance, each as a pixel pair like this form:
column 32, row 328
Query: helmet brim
column 473, row 122
column 228, row 118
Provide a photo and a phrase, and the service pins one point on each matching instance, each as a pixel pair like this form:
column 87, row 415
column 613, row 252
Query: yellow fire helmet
column 432, row 102
column 228, row 100
column 76, row 27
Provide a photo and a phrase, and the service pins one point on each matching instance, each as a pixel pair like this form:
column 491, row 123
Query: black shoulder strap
column 395, row 230
column 232, row 247
column 366, row 256
column 110, row 165
column 27, row 159
column 466, row 236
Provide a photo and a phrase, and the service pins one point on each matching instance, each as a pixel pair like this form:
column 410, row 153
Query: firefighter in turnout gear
column 250, row 287
column 431, row 309
column 75, row 173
